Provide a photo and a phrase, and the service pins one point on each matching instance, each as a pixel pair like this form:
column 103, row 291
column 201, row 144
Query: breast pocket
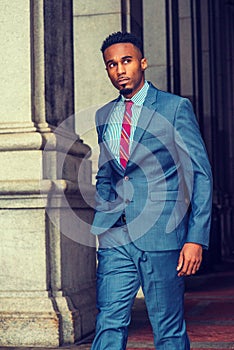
column 154, row 135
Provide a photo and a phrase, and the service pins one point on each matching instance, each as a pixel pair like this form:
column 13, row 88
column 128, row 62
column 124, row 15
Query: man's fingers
column 191, row 258
column 184, row 268
column 189, row 268
column 196, row 267
column 180, row 263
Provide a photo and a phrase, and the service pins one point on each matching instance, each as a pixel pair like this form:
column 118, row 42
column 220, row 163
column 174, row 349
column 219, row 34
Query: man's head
column 125, row 63
column 122, row 37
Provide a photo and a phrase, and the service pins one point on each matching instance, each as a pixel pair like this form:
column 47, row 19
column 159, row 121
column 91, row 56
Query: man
column 153, row 201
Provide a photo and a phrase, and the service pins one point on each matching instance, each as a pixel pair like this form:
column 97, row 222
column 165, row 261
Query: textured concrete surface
column 209, row 310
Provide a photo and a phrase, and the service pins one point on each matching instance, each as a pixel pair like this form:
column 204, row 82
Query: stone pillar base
column 47, row 280
column 28, row 321
column 41, row 321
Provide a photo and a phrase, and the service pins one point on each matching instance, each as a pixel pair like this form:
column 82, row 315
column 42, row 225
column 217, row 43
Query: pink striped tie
column 125, row 134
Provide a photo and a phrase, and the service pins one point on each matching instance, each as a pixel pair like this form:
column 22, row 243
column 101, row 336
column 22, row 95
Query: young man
column 153, row 210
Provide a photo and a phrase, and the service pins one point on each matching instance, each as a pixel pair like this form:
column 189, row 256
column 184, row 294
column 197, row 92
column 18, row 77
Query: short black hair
column 122, row 37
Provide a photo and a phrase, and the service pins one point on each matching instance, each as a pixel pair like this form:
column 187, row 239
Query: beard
column 125, row 91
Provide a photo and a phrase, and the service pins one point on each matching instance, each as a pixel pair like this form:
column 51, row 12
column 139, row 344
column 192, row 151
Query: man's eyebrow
column 122, row 58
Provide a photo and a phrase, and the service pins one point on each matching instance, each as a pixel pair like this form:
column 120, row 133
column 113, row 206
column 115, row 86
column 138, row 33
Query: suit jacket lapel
column 146, row 115
column 109, row 109
column 105, row 117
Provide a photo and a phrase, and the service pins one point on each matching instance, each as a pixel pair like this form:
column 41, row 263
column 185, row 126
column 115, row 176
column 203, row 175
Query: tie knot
column 128, row 105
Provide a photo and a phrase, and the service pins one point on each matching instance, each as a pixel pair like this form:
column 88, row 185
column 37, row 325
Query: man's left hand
column 190, row 259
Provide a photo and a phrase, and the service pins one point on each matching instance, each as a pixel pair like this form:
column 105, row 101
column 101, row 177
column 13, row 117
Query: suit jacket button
column 126, row 178
column 144, row 257
column 127, row 201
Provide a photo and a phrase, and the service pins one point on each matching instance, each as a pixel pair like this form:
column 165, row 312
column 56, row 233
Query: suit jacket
column 166, row 189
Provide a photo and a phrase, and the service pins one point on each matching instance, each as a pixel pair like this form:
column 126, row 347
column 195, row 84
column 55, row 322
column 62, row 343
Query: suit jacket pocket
column 153, row 135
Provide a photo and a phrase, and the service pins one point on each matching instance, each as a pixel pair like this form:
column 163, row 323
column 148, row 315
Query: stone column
column 93, row 22
column 154, row 22
column 47, row 256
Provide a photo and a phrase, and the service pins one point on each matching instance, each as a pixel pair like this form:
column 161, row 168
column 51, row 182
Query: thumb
column 180, row 261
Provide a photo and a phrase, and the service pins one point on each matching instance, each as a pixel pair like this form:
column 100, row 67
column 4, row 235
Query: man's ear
column 144, row 63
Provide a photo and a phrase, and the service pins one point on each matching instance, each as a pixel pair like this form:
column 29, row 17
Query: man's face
column 125, row 67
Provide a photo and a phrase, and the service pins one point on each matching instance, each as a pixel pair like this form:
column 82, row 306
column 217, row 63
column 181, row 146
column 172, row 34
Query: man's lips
column 123, row 81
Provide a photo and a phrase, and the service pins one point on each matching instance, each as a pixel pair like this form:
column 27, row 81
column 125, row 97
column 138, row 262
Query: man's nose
column 120, row 69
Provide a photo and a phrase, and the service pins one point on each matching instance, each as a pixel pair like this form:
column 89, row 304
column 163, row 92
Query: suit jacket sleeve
column 199, row 185
column 103, row 177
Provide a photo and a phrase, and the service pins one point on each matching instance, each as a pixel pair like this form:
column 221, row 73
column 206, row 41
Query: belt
column 123, row 218
column 121, row 221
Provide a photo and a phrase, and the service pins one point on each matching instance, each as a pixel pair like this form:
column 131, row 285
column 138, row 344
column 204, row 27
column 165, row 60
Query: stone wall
column 47, row 255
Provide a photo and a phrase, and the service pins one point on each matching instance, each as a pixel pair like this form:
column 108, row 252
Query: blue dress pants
column 121, row 271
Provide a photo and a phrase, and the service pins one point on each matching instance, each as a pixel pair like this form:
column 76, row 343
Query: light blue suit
column 165, row 193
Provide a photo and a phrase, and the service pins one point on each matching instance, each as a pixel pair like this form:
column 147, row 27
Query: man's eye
column 127, row 61
column 111, row 65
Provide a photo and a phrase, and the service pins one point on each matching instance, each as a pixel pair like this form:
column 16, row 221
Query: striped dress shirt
column 113, row 131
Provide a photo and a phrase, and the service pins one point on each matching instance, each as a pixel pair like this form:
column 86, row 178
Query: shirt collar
column 139, row 97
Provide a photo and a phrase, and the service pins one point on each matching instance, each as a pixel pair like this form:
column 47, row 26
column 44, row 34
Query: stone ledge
column 60, row 140
column 43, row 187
